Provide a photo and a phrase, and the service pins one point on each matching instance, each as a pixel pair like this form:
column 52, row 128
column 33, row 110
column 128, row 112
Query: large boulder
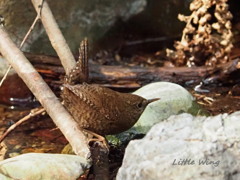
column 186, row 147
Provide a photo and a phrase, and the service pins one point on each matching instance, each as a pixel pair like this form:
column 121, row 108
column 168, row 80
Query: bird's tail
column 79, row 73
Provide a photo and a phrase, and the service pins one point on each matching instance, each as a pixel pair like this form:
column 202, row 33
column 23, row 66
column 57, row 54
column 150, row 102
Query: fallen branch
column 122, row 76
column 134, row 77
column 43, row 93
column 55, row 35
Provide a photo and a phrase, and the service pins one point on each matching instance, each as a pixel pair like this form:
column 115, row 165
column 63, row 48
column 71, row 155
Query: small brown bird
column 99, row 109
column 103, row 110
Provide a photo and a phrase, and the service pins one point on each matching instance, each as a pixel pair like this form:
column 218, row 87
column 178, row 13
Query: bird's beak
column 152, row 100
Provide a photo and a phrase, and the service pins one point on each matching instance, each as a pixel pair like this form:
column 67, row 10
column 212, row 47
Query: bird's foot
column 97, row 138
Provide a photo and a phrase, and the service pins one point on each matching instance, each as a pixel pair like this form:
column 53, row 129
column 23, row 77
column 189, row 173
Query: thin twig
column 29, row 31
column 23, row 41
column 5, row 75
column 38, row 17
column 32, row 113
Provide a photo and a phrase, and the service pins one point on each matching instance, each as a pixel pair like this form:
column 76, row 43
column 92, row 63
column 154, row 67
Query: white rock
column 173, row 99
column 174, row 149
column 37, row 166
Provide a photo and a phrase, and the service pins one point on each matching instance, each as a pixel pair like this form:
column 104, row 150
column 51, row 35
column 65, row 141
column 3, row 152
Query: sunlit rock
column 39, row 166
column 186, row 147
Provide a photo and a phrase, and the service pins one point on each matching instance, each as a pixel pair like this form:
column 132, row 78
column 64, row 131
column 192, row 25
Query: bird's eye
column 139, row 105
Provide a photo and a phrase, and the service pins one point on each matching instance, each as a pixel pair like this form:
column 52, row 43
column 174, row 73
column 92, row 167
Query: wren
column 96, row 108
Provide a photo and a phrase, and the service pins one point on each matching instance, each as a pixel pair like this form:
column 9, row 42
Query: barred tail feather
column 79, row 73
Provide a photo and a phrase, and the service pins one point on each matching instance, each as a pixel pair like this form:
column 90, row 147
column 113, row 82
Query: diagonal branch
column 55, row 35
column 44, row 94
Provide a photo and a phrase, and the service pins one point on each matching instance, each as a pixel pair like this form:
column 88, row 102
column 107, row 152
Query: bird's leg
column 97, row 138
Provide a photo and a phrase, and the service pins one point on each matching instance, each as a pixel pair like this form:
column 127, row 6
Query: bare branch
column 55, row 35
column 43, row 93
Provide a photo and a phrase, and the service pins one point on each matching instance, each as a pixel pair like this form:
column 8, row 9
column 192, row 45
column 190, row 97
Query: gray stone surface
column 37, row 166
column 186, row 147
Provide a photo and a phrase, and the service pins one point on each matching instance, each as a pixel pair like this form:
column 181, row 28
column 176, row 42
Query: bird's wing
column 93, row 96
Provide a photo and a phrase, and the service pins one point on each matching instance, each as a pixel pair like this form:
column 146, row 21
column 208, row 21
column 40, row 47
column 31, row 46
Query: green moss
column 197, row 110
